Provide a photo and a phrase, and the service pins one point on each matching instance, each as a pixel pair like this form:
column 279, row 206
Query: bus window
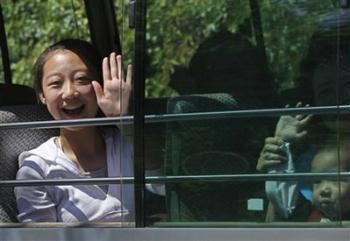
column 2, row 78
column 125, row 31
column 240, row 57
column 28, row 34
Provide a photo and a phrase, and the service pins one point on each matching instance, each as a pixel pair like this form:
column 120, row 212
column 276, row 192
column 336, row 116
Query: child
column 331, row 197
column 68, row 80
column 279, row 156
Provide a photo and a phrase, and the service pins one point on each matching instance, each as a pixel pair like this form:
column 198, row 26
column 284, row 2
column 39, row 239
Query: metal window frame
column 139, row 120
column 175, row 234
column 4, row 50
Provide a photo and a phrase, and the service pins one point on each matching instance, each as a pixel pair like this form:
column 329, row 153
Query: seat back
column 203, row 147
column 12, row 143
column 14, row 94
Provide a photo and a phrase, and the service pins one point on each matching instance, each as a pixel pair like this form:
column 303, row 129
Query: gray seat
column 203, row 147
column 12, row 143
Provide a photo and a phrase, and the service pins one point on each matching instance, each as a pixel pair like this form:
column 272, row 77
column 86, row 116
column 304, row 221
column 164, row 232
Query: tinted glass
column 224, row 71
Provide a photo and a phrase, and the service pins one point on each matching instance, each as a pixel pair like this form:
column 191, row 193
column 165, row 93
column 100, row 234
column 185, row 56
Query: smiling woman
column 68, row 82
column 67, row 88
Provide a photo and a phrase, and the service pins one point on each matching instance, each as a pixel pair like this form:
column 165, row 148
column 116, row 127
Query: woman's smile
column 67, row 88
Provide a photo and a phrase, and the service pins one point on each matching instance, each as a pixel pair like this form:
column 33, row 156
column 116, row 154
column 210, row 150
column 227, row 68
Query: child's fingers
column 301, row 134
column 267, row 164
column 274, row 149
column 302, row 116
column 306, row 120
column 299, row 104
column 274, row 141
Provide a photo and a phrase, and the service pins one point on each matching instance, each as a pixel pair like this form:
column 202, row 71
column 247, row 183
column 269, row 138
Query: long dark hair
column 329, row 44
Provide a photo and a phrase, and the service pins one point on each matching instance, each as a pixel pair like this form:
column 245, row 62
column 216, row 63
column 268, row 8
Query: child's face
column 67, row 89
column 331, row 196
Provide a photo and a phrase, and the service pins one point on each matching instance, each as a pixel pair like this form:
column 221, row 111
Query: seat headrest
column 14, row 94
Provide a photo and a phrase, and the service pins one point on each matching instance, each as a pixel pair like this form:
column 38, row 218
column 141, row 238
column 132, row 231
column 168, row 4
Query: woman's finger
column 105, row 69
column 113, row 66
column 129, row 75
column 98, row 90
column 120, row 71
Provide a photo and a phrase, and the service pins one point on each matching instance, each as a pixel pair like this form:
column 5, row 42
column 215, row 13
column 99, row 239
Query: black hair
column 328, row 45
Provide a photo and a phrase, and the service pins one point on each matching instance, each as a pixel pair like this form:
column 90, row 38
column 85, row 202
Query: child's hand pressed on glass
column 292, row 128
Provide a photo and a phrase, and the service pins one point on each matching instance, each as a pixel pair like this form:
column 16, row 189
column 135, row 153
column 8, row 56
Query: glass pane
column 218, row 68
column 126, row 33
column 107, row 151
column 2, row 77
column 126, row 36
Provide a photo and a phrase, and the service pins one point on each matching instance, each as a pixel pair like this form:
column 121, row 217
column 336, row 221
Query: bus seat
column 203, row 147
column 12, row 143
column 14, row 94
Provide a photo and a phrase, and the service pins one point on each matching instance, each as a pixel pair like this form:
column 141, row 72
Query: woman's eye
column 55, row 83
column 84, row 79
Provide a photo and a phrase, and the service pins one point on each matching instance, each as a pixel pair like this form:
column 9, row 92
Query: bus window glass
column 37, row 25
column 32, row 25
column 126, row 36
column 2, row 77
column 209, row 65
column 126, row 33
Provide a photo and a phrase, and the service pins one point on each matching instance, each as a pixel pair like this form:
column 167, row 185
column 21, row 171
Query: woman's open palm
column 114, row 98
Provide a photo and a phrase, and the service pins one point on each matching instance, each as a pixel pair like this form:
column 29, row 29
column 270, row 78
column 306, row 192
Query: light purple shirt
column 82, row 203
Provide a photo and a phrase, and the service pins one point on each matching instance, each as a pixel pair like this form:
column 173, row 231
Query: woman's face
column 67, row 89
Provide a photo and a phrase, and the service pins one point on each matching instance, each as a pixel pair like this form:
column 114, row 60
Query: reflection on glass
column 2, row 77
column 300, row 59
column 320, row 151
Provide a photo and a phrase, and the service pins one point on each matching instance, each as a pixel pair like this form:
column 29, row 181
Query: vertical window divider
column 4, row 50
column 138, row 107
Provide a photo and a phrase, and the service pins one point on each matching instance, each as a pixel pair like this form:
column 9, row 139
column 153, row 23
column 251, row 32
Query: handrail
column 160, row 118
column 336, row 176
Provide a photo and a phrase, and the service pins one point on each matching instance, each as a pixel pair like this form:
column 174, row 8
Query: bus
column 215, row 84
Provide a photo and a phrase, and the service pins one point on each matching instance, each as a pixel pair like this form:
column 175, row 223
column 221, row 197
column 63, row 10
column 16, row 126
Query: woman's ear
column 42, row 98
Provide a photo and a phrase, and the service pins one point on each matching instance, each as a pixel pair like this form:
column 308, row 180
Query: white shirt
column 283, row 194
column 84, row 203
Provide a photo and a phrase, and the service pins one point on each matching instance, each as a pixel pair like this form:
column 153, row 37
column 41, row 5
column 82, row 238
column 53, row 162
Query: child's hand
column 292, row 128
column 271, row 154
column 114, row 98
